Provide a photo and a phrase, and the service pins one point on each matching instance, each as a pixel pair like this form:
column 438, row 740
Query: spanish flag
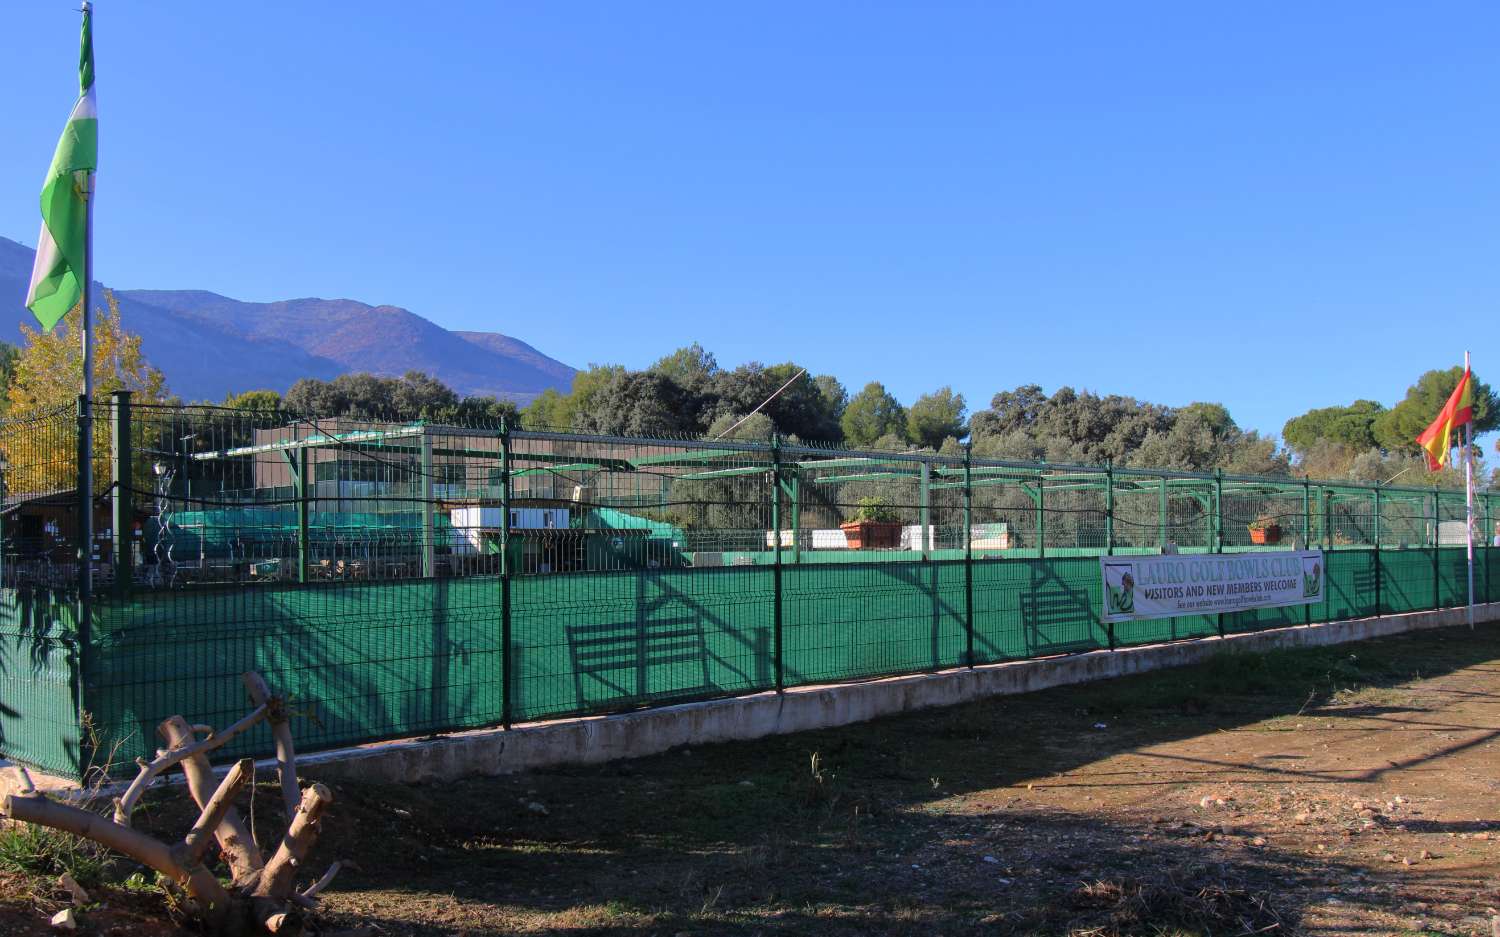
column 1459, row 410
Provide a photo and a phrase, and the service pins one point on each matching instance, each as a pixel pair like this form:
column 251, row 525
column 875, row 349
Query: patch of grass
column 29, row 849
column 40, row 851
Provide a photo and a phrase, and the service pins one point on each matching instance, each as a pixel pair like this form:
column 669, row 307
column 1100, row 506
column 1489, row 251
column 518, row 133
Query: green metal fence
column 402, row 578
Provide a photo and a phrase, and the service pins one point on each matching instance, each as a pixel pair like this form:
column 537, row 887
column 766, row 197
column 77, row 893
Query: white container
column 469, row 524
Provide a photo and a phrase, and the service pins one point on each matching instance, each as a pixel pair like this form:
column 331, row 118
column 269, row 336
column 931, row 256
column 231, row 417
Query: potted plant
column 1265, row 529
column 874, row 526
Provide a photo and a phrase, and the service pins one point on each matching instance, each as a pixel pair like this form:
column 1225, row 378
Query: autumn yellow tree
column 38, row 436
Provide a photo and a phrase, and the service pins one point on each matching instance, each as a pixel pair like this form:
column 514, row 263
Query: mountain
column 210, row 345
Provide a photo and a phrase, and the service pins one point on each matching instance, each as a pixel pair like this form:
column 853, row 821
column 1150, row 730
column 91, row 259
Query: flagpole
column 1469, row 500
column 86, row 404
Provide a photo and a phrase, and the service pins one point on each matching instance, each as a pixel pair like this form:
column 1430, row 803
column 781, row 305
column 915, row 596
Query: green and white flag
column 61, row 248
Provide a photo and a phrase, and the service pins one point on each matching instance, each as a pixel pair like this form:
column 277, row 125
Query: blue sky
column 1272, row 206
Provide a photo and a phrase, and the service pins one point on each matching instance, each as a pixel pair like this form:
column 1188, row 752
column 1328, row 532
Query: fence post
column 124, row 510
column 1161, row 505
column 1489, row 543
column 4, row 481
column 776, row 649
column 795, row 495
column 1307, row 535
column 1327, row 519
column 969, row 556
column 1436, row 522
column 85, row 502
column 924, row 513
column 1109, row 508
column 1219, row 525
column 429, row 529
column 1379, row 568
column 1041, row 516
column 1109, row 531
column 304, row 551
column 505, row 575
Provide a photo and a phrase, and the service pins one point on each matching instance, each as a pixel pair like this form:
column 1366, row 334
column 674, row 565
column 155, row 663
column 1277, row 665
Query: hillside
column 210, row 345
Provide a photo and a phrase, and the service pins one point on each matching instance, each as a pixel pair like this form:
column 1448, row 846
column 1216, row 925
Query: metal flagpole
column 86, row 411
column 1469, row 499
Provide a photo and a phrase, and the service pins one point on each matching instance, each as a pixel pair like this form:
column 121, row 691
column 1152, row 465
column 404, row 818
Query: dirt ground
column 1346, row 790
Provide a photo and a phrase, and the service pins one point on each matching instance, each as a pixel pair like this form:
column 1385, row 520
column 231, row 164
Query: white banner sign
column 1137, row 587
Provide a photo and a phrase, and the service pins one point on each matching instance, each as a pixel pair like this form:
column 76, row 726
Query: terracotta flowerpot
column 872, row 535
column 1264, row 535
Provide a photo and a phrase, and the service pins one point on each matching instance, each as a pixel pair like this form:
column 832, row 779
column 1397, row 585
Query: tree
column 9, row 354
column 46, row 378
column 1205, row 437
column 692, row 367
column 1404, row 468
column 425, row 396
column 548, row 411
column 803, row 408
column 1325, row 458
column 936, row 417
column 1352, row 426
column 585, row 404
column 1011, row 411
column 1074, row 426
column 1069, row 426
column 835, row 399
column 1255, row 454
column 1398, row 428
column 873, row 413
column 758, row 426
column 1214, row 416
column 553, row 410
column 46, row 372
column 694, row 370
column 314, row 397
column 485, row 409
column 636, row 403
column 361, row 395
column 414, row 395
column 256, row 400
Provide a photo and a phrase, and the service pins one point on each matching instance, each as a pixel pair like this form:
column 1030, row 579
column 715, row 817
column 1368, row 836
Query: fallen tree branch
column 264, row 897
column 125, row 804
column 286, row 754
column 197, row 839
column 311, row 891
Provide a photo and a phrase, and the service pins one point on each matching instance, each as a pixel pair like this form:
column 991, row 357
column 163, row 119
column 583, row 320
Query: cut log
column 197, row 840
column 277, row 877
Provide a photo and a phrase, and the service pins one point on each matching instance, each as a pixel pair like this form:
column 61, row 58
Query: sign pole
column 1469, row 501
